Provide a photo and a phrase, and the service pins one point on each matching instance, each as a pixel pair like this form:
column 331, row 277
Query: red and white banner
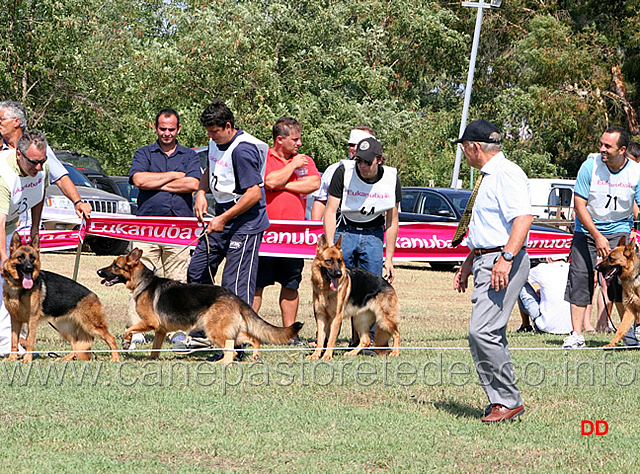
column 52, row 240
column 416, row 241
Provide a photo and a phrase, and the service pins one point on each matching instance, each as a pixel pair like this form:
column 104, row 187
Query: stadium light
column 481, row 5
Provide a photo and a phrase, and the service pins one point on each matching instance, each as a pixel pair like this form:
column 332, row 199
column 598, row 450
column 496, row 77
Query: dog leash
column 606, row 308
column 156, row 270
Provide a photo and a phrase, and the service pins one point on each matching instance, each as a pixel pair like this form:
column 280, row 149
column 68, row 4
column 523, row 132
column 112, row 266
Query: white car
column 59, row 213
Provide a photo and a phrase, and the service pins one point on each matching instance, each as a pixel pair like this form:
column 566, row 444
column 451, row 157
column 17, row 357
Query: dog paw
column 313, row 356
column 126, row 344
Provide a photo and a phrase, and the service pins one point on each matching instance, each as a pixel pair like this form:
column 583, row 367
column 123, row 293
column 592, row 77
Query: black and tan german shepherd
column 31, row 294
column 167, row 305
column 623, row 261
column 340, row 292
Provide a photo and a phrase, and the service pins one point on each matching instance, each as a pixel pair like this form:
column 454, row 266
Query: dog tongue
column 334, row 284
column 27, row 282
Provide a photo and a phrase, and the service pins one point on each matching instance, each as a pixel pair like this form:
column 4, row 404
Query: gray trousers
column 488, row 327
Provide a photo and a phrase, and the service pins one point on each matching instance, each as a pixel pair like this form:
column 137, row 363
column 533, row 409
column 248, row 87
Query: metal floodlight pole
column 481, row 5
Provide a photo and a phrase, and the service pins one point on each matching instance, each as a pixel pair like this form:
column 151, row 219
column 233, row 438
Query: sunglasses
column 34, row 162
column 361, row 161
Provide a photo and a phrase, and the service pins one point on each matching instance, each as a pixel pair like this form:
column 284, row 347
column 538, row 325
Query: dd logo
column 601, row 427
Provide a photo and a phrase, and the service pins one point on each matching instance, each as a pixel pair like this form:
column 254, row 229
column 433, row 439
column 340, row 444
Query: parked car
column 203, row 155
column 59, row 213
column 79, row 160
column 91, row 168
column 127, row 190
column 421, row 204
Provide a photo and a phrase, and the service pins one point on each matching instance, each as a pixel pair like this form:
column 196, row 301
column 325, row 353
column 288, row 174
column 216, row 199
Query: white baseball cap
column 356, row 136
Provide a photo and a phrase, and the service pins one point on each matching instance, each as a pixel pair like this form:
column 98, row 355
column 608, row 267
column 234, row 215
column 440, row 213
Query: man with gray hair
column 13, row 124
column 498, row 230
column 24, row 176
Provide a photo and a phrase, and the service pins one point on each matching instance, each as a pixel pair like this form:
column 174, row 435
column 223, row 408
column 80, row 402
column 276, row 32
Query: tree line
column 551, row 74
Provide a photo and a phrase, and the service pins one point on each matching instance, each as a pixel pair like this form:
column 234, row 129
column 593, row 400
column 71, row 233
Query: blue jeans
column 362, row 247
column 529, row 301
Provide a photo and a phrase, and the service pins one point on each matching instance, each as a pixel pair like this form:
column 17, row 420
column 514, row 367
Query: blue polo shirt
column 152, row 159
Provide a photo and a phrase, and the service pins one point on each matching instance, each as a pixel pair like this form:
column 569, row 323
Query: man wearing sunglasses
column 322, row 194
column 368, row 195
column 24, row 176
column 13, row 123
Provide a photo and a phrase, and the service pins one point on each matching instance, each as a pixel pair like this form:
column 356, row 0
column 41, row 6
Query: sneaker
column 220, row 354
column 138, row 338
column 190, row 345
column 630, row 339
column 177, row 337
column 573, row 341
column 523, row 328
column 296, row 342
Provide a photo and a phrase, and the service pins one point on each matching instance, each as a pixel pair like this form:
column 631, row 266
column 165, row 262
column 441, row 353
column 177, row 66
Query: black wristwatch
column 508, row 256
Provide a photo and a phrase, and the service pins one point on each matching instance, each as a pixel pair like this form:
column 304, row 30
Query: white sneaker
column 573, row 341
column 138, row 338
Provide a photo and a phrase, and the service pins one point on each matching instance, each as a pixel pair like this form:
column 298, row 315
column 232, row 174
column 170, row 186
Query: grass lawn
column 419, row 412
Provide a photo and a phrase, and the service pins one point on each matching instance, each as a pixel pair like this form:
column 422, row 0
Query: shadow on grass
column 458, row 409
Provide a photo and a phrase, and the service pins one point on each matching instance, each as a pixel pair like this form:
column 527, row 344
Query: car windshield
column 79, row 160
column 78, row 178
column 128, row 191
column 459, row 197
column 460, row 201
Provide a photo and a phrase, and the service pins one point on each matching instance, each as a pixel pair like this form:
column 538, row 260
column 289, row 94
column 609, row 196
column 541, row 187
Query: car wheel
column 442, row 266
column 106, row 246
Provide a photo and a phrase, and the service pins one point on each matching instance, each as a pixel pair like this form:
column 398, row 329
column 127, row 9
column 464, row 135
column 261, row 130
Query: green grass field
column 419, row 412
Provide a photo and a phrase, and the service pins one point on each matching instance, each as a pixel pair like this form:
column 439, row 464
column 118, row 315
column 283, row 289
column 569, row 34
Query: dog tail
column 258, row 327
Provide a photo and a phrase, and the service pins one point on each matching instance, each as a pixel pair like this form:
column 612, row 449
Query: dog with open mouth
column 340, row 292
column 624, row 262
column 166, row 305
column 32, row 294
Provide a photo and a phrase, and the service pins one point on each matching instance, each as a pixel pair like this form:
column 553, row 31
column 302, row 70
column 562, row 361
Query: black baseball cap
column 479, row 131
column 368, row 149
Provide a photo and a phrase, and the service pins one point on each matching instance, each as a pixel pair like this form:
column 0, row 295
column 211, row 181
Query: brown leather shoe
column 502, row 413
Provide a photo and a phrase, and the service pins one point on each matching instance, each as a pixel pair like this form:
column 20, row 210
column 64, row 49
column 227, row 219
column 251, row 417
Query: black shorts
column 614, row 290
column 286, row 271
column 583, row 257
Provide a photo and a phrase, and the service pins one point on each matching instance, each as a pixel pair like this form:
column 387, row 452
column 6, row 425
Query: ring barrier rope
column 310, row 349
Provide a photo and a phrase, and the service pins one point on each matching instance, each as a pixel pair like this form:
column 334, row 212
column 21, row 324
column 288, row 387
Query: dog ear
column 622, row 242
column 338, row 243
column 35, row 242
column 630, row 249
column 134, row 256
column 16, row 242
column 322, row 244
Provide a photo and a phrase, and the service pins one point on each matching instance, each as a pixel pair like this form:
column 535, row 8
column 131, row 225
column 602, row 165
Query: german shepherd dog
column 31, row 294
column 340, row 292
column 624, row 262
column 167, row 305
